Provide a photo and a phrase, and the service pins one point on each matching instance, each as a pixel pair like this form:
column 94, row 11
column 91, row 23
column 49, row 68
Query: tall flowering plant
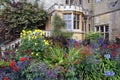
column 32, row 43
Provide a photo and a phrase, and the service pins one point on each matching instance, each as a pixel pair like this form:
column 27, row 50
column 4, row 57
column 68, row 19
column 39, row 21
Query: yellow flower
column 45, row 42
column 35, row 44
column 37, row 54
column 32, row 53
column 16, row 50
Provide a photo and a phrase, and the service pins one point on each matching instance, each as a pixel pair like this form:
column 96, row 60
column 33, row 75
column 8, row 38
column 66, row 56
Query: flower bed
column 39, row 59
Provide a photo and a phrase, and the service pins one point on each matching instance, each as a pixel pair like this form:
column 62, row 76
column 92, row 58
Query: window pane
column 71, row 1
column 74, row 25
column 69, row 16
column 69, row 25
column 106, row 29
column 65, row 17
column 89, row 27
column 80, row 1
column 74, row 17
column 78, row 17
column 67, row 2
column 102, row 29
column 77, row 24
column 97, row 28
column 66, row 25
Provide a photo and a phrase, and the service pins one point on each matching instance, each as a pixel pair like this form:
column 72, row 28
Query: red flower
column 11, row 63
column 15, row 68
column 5, row 78
column 115, row 46
column 114, row 53
column 23, row 59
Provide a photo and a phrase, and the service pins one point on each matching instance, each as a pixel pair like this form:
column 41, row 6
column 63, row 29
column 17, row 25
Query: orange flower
column 11, row 63
column 5, row 78
column 15, row 68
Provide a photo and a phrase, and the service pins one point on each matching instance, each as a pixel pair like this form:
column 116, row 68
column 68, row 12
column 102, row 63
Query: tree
column 58, row 23
column 22, row 15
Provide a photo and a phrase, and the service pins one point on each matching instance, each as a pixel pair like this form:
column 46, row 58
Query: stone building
column 81, row 16
column 103, row 16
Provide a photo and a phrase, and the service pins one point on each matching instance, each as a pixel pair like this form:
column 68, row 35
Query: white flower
column 107, row 56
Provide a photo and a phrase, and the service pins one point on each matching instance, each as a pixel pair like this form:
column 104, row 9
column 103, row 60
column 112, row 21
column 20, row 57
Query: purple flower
column 50, row 73
column 109, row 73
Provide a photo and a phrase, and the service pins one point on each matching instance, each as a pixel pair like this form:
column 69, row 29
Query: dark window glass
column 67, row 1
column 102, row 29
column 71, row 1
column 89, row 27
column 97, row 28
column 78, row 17
column 77, row 24
column 74, row 24
column 80, row 1
column 106, row 29
column 82, row 26
column 88, row 1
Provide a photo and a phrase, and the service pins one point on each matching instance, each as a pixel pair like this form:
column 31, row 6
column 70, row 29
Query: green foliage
column 54, row 56
column 32, row 44
column 4, row 63
column 92, row 36
column 57, row 56
column 21, row 15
